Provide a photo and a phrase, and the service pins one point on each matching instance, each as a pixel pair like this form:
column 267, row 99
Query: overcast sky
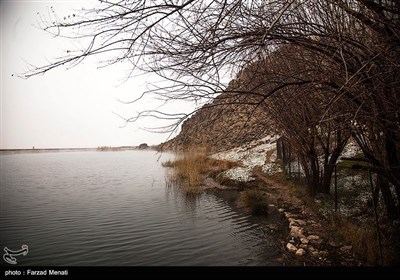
column 63, row 108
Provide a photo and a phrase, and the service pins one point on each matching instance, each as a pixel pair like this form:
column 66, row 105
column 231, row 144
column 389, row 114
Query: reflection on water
column 113, row 208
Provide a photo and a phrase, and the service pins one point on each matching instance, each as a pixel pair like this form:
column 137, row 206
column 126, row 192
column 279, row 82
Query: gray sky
column 63, row 108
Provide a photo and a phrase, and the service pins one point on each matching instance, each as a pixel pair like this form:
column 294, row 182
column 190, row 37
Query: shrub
column 191, row 168
column 254, row 200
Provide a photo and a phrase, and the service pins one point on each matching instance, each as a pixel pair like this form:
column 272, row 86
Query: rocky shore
column 305, row 239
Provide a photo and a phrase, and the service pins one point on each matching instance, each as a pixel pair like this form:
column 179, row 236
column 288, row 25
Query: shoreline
column 295, row 229
column 49, row 150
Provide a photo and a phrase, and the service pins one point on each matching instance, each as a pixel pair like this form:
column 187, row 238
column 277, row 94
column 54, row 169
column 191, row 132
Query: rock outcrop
column 233, row 118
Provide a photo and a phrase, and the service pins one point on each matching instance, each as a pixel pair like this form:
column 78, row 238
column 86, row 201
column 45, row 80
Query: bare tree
column 294, row 94
column 197, row 45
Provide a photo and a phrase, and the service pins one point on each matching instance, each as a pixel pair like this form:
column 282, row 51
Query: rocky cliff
column 234, row 118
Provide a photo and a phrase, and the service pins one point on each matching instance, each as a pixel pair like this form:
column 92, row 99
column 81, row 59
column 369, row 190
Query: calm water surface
column 113, row 208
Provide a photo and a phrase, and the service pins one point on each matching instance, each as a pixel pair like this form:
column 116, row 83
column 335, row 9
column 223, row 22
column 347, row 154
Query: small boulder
column 313, row 237
column 296, row 232
column 315, row 253
column 300, row 252
column 291, row 248
column 289, row 215
column 298, row 222
column 304, row 240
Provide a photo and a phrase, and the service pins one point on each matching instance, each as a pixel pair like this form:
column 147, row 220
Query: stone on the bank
column 313, row 237
column 304, row 240
column 293, row 221
column 291, row 248
column 315, row 253
column 289, row 215
column 300, row 252
column 296, row 232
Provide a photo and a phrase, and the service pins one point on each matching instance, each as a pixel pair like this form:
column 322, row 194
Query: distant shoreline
column 98, row 149
column 45, row 149
column 15, row 151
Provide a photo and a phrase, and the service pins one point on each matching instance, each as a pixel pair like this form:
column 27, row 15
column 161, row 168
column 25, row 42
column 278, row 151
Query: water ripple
column 88, row 208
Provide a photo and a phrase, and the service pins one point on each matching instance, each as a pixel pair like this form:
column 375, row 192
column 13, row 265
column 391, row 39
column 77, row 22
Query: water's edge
column 94, row 208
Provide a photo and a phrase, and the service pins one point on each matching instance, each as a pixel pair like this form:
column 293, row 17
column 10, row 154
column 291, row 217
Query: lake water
column 114, row 209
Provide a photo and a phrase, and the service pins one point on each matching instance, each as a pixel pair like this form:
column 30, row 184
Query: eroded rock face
column 225, row 123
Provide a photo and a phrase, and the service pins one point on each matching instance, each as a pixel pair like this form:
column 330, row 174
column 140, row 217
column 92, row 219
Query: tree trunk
column 391, row 208
column 394, row 164
column 327, row 178
column 313, row 181
column 279, row 148
column 330, row 167
column 375, row 195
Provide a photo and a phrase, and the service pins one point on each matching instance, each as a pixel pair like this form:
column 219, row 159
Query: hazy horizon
column 63, row 108
column 72, row 148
